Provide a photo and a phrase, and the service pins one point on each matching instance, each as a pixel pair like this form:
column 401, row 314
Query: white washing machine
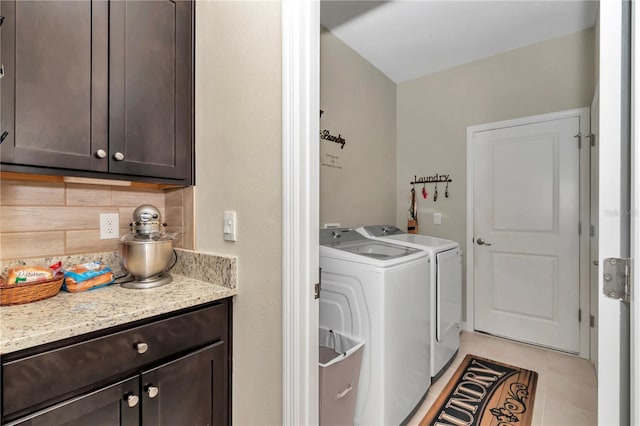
column 374, row 291
column 445, row 283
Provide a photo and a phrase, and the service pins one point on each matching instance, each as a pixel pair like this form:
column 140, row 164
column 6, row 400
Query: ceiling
column 409, row 39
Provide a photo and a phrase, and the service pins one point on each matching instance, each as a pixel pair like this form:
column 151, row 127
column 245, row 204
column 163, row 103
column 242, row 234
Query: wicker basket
column 16, row 294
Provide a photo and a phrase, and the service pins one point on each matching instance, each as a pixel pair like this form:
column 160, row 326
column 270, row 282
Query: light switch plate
column 229, row 225
column 437, row 218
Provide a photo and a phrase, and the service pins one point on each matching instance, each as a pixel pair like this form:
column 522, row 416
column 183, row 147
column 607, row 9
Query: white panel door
column 526, row 217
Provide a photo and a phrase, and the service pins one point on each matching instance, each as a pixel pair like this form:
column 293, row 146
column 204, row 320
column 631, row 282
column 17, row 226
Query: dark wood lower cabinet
column 187, row 391
column 105, row 407
column 76, row 383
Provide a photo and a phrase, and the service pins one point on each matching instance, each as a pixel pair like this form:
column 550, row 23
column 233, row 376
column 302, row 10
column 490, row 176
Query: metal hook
column 435, row 193
column 446, row 190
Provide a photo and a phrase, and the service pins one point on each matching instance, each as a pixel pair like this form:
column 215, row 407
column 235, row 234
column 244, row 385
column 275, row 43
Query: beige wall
column 434, row 111
column 357, row 183
column 238, row 167
column 41, row 219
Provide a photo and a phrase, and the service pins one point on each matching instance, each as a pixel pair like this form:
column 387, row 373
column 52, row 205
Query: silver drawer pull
column 132, row 400
column 118, row 156
column 152, row 391
column 142, row 347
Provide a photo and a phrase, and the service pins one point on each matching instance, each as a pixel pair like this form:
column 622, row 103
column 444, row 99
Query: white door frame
column 583, row 114
column 300, row 209
column 612, row 397
column 635, row 206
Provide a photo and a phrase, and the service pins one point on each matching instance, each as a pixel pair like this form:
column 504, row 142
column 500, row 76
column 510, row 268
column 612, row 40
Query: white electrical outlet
column 109, row 225
column 331, row 225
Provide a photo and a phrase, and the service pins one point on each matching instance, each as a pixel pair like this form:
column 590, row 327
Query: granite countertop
column 198, row 278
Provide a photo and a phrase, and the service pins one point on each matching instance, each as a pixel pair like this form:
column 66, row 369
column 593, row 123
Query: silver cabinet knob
column 101, row 153
column 118, row 156
column 482, row 242
column 152, row 391
column 132, row 400
column 142, row 347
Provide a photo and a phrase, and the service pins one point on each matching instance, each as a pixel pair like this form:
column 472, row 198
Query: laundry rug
column 484, row 392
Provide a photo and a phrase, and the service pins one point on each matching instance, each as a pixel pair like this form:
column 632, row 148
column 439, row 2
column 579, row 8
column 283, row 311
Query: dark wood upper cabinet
column 54, row 89
column 150, row 88
column 98, row 88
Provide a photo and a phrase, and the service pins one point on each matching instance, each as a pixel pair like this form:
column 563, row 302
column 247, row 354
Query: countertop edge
column 98, row 306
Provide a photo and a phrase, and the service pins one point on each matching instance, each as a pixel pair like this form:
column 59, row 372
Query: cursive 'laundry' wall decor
column 331, row 159
column 327, row 136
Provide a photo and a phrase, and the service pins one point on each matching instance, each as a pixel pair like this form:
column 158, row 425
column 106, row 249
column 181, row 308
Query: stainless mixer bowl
column 144, row 259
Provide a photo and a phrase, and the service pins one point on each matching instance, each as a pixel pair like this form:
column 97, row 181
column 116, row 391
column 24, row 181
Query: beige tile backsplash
column 23, row 193
column 31, row 244
column 40, row 219
column 179, row 210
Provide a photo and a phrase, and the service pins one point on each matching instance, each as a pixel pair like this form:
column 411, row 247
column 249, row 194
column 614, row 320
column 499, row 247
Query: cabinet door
column 105, row 407
column 54, row 92
column 192, row 390
column 150, row 88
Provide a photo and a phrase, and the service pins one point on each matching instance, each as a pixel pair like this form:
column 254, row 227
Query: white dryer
column 374, row 291
column 445, row 284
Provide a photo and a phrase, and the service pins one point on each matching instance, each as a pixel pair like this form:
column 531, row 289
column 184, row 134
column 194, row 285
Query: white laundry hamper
column 340, row 361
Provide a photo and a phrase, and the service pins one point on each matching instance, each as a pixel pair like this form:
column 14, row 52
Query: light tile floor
column 566, row 392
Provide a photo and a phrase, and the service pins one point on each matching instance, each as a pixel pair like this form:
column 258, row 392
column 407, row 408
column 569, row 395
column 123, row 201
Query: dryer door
column 448, row 292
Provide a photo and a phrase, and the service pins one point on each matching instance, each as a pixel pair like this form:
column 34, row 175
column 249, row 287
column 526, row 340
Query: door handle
column 482, row 242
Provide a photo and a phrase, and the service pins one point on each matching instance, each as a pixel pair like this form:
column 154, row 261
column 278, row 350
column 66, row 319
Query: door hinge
column 579, row 136
column 592, row 321
column 579, row 228
column 317, row 286
column 592, row 139
column 579, row 315
column 617, row 278
column 592, row 231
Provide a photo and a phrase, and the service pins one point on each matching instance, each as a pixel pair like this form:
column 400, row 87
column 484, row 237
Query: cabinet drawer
column 64, row 370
